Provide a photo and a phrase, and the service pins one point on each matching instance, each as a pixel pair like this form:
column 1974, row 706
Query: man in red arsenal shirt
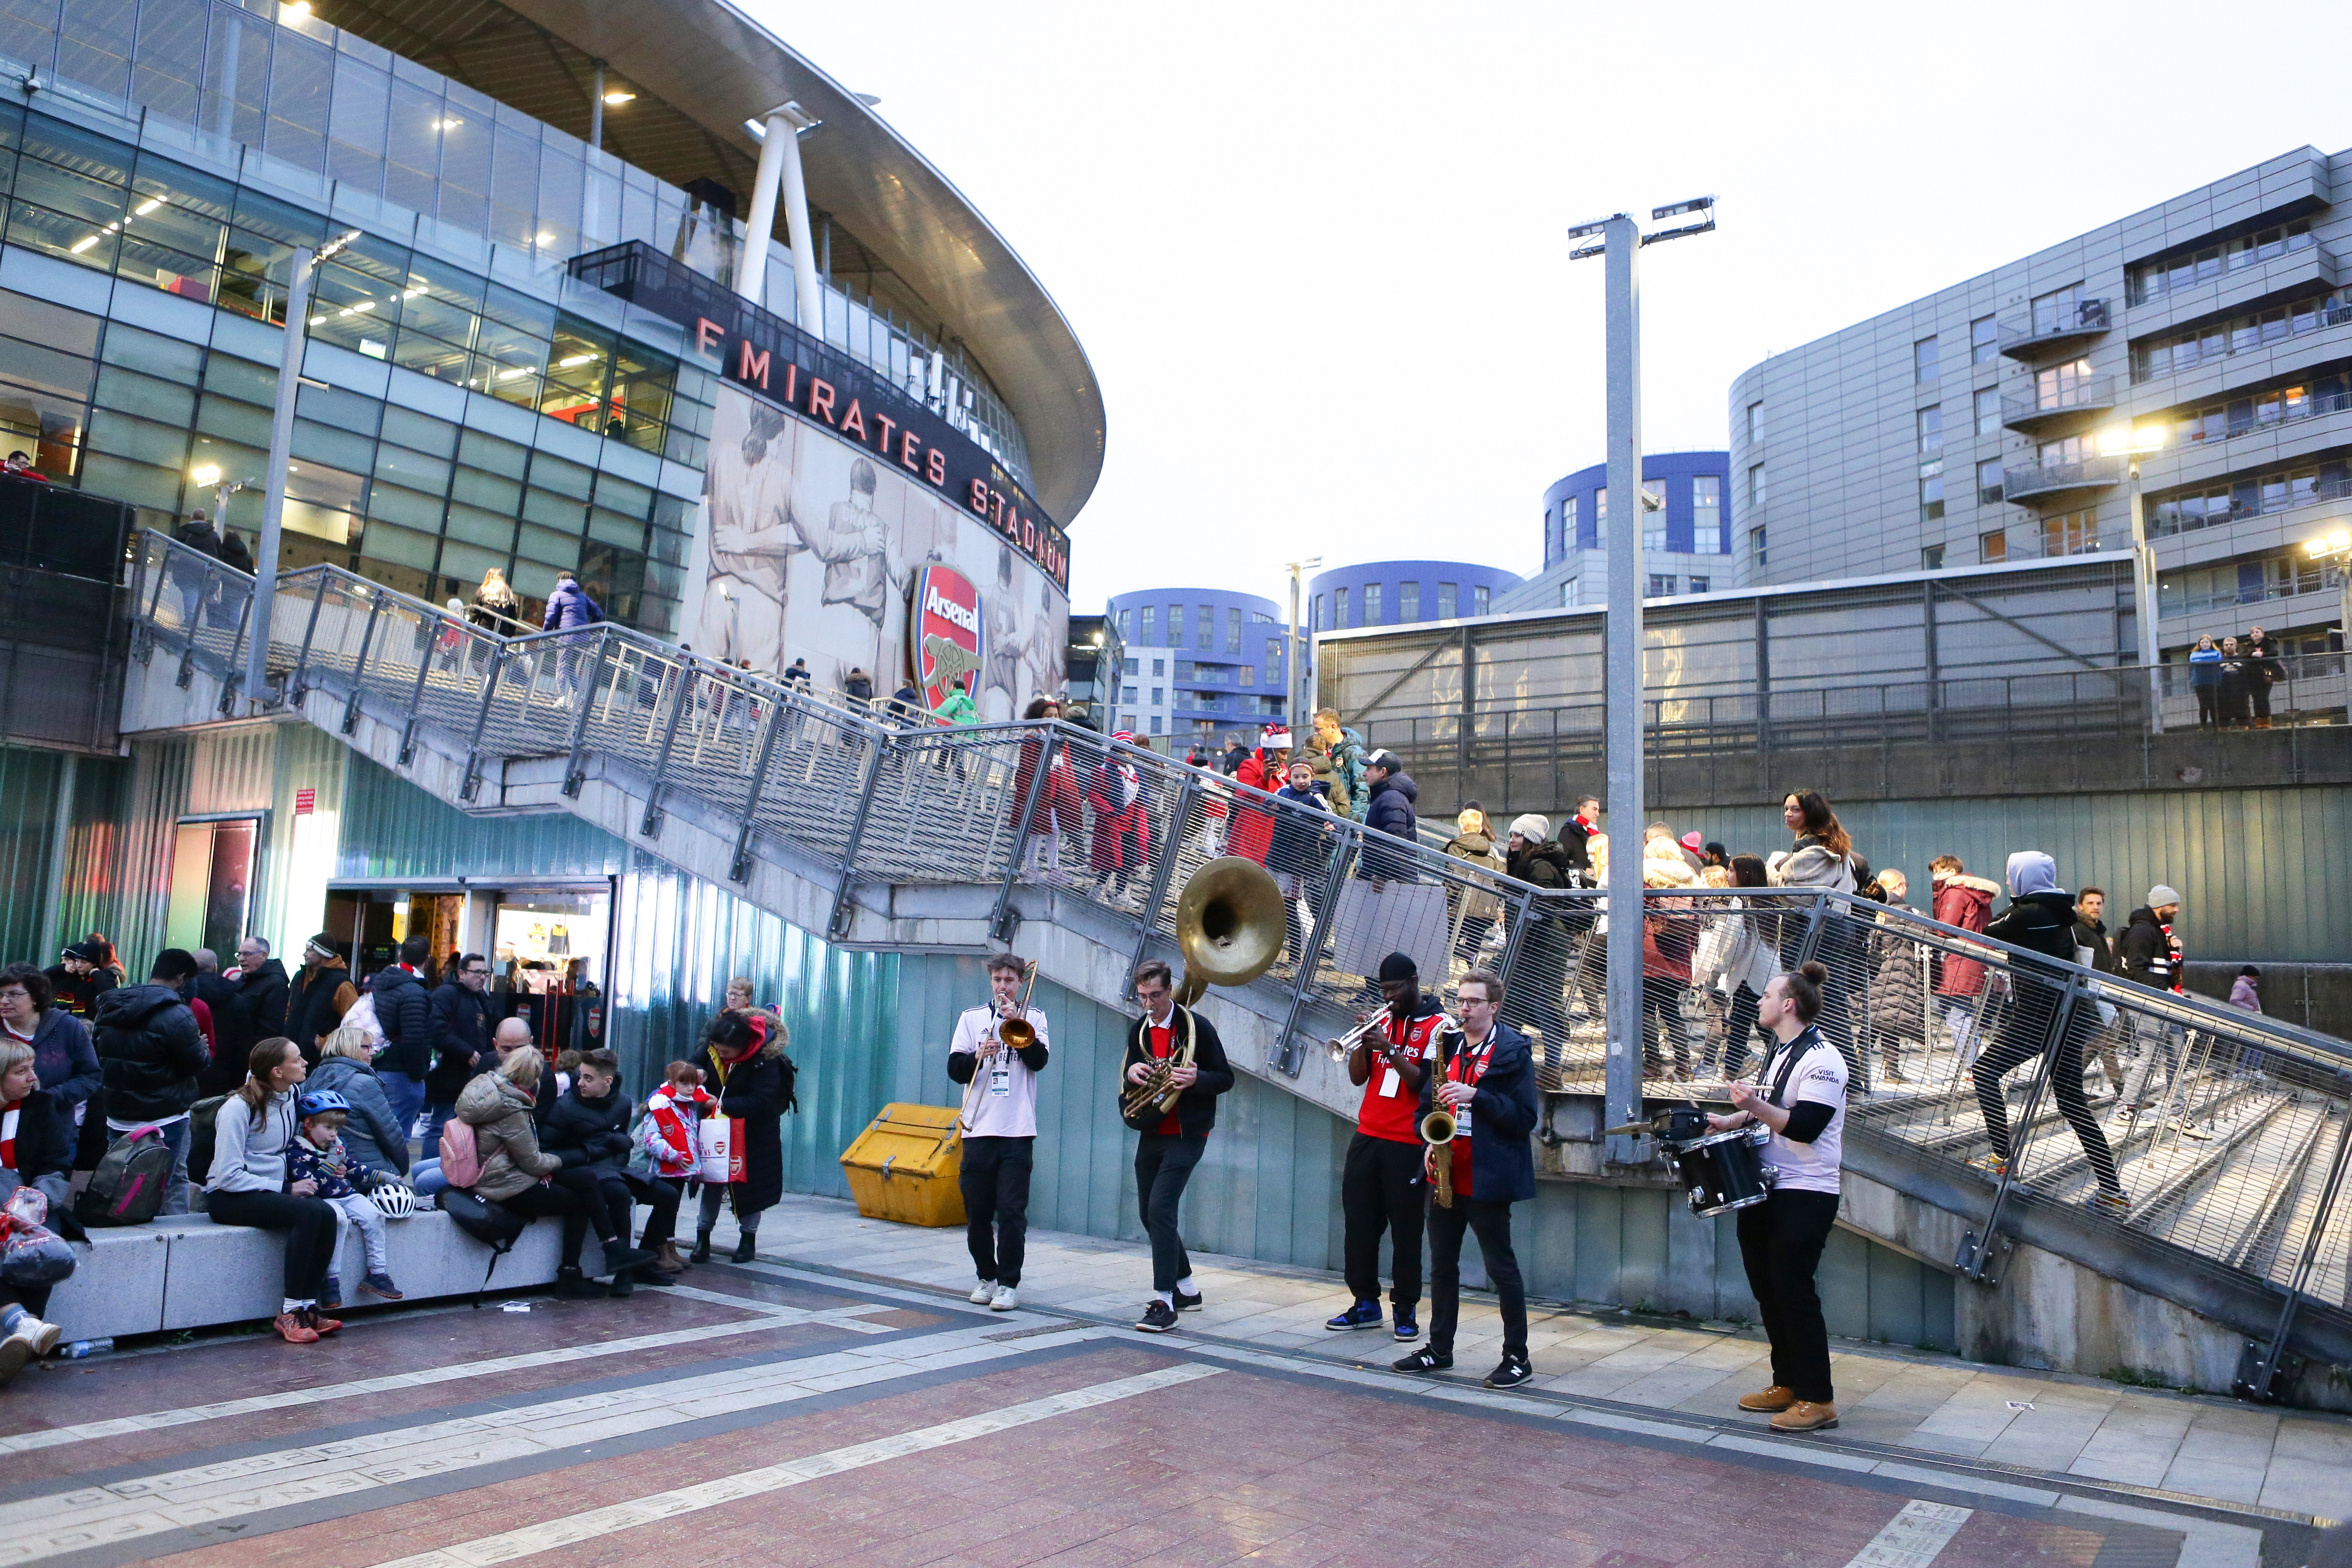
column 1173, row 1141
column 1380, row 1185
column 1489, row 1082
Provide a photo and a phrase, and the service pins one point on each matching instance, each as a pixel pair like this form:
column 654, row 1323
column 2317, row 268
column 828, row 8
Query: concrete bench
column 187, row 1272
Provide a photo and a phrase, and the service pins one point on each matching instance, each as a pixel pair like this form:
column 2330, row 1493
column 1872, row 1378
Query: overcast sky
column 1316, row 253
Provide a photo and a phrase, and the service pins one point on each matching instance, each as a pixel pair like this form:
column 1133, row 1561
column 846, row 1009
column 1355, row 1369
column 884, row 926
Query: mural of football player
column 859, row 574
column 753, row 536
column 1048, row 644
column 1001, row 700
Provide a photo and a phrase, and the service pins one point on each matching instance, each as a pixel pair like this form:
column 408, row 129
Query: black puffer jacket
column 756, row 1093
column 232, row 1034
column 2144, row 953
column 595, row 1133
column 405, row 1014
column 1544, row 865
column 150, row 1051
column 2040, row 923
column 461, row 1037
column 264, row 990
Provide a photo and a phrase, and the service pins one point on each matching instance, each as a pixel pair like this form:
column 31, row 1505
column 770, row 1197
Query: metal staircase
column 874, row 829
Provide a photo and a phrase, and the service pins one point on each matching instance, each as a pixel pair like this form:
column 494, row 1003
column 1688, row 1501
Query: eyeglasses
column 474, row 971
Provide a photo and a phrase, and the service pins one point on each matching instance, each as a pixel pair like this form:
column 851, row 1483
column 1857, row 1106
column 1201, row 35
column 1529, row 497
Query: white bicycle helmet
column 396, row 1199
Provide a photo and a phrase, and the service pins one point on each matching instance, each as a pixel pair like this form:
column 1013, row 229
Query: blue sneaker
column 1363, row 1315
column 1408, row 1324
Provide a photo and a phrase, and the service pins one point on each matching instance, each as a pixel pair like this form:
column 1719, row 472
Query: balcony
column 2047, row 483
column 2077, row 401
column 2050, row 328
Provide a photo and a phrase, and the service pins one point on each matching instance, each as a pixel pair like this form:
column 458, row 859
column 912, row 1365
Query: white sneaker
column 32, row 1339
column 982, row 1293
column 1005, row 1300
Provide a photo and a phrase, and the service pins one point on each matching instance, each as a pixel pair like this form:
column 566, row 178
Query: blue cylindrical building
column 1200, row 663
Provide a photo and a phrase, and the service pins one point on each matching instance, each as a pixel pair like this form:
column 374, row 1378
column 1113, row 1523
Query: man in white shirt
column 1801, row 1097
column 1000, row 1130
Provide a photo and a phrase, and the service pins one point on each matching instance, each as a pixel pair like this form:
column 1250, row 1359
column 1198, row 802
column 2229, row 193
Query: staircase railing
column 2219, row 1137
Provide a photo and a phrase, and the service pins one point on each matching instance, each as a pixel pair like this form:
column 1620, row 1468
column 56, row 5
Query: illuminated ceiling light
column 759, row 131
column 2340, row 540
column 450, row 123
column 149, row 205
column 619, row 96
column 412, row 293
column 318, row 320
column 207, row 474
column 84, row 242
column 542, row 238
column 300, row 7
column 577, row 359
column 510, row 374
column 355, row 309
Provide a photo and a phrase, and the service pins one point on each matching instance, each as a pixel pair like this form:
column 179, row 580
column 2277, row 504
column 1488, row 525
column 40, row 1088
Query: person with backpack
column 248, row 1184
column 403, row 1011
column 490, row 1148
column 588, row 1129
column 743, row 1054
column 150, row 1055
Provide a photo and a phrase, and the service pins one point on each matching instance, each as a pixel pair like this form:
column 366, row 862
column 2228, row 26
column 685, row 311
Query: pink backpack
column 461, row 1164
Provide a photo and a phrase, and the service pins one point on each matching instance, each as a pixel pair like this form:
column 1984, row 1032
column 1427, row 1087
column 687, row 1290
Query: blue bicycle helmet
column 323, row 1099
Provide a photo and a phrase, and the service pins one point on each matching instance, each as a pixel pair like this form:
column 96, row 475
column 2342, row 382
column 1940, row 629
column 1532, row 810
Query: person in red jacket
column 1058, row 810
column 1251, row 834
column 1121, row 855
column 1967, row 902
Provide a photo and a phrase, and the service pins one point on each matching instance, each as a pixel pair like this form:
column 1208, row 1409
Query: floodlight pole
column 1295, row 695
column 2144, row 600
column 1622, row 241
column 281, row 450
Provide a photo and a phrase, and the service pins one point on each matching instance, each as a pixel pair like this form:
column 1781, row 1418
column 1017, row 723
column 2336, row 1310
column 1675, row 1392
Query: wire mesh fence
column 2046, row 1081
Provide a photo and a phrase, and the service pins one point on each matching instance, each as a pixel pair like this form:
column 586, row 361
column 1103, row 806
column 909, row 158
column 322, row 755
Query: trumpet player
column 1380, row 1185
column 1173, row 1141
column 1488, row 1084
column 999, row 1135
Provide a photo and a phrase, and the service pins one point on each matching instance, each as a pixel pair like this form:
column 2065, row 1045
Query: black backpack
column 492, row 1223
column 202, row 1129
column 129, row 1186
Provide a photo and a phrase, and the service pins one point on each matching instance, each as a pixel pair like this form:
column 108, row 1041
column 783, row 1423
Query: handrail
column 1929, row 1016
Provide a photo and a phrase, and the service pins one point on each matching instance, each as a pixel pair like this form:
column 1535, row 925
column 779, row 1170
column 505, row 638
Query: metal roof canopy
column 700, row 68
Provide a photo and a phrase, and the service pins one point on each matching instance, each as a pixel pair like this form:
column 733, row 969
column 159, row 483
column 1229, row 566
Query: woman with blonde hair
column 516, row 1172
column 373, row 1137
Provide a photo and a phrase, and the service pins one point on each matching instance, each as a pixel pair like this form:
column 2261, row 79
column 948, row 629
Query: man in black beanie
column 1380, row 1185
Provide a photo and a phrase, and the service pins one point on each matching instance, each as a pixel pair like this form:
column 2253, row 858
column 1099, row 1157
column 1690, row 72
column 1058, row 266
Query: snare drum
column 1725, row 1170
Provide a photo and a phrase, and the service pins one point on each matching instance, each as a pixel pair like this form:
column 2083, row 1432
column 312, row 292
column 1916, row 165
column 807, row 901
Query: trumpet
column 1345, row 1045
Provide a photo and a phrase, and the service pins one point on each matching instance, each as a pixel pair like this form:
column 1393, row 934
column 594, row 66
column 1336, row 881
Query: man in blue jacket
column 570, row 609
column 1488, row 1082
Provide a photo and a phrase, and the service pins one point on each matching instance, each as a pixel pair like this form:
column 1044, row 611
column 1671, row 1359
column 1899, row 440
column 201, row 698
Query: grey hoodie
column 250, row 1157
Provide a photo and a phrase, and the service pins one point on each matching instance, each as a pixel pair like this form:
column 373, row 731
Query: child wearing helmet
column 318, row 1155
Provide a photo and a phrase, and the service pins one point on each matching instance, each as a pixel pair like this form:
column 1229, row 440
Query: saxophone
column 1158, row 1090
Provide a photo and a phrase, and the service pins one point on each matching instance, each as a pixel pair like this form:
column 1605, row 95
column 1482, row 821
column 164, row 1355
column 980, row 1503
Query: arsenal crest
column 944, row 630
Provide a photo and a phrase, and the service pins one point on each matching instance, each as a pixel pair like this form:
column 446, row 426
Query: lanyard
column 1476, row 1060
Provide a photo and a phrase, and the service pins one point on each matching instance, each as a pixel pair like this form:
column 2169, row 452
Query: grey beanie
column 1533, row 828
column 2160, row 895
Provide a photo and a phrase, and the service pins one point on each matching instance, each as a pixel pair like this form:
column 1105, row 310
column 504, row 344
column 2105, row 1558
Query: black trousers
column 1781, row 1242
column 663, row 1194
column 2024, row 1031
column 308, row 1224
column 1381, row 1193
column 1163, row 1164
column 1490, row 1218
column 618, row 1193
column 537, row 1202
column 995, row 1183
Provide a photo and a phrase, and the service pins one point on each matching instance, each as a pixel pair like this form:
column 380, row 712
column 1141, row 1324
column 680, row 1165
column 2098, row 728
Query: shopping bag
column 723, row 1155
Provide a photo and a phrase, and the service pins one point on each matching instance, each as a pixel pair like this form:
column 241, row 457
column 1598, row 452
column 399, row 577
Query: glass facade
column 412, row 154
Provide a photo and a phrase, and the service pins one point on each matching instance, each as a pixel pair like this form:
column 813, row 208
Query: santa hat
column 1273, row 738
column 1126, row 735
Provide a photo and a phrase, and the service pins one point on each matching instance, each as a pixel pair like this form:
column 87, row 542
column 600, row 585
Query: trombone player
column 1487, row 1085
column 1174, row 1050
column 999, row 1126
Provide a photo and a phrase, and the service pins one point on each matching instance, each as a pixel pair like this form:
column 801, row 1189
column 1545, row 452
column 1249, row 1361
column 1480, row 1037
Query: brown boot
column 1773, row 1398
column 2264, row 722
column 667, row 1260
column 1806, row 1415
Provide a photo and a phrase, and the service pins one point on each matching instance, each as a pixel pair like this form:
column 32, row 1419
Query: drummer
column 1800, row 1096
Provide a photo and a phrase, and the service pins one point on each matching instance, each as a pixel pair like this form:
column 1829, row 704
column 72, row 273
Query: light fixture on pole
column 306, row 264
column 1295, row 694
column 1621, row 241
column 2335, row 547
column 2131, row 444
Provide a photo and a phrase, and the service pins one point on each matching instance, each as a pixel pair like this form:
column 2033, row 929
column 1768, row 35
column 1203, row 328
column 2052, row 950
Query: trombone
column 1005, row 1034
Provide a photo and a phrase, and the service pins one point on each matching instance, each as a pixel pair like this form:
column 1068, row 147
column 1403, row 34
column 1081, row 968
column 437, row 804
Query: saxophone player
column 1000, row 1130
column 1183, row 1046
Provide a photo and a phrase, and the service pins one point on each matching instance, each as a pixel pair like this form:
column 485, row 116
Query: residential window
column 2071, row 533
column 1123, row 626
column 1993, row 546
column 1205, row 627
column 1653, row 529
column 2153, row 279
column 1662, row 585
column 2254, row 496
column 1755, row 423
column 1156, row 724
column 1568, row 537
column 1338, row 609
column 1568, row 595
column 1984, row 341
column 1408, row 603
column 1706, row 515
column 1988, row 482
column 1126, row 694
column 1315, row 615
column 1756, row 545
column 1233, row 631
column 2064, row 385
column 1931, row 559
column 1479, row 597
column 1699, row 584
column 1248, row 674
column 1988, row 411
column 1159, row 698
column 1175, row 626
column 1931, row 428
column 1445, row 601
column 1755, row 486
column 1272, row 650
column 1931, row 490
column 1150, row 611
column 1372, row 605
column 1924, row 370
column 2059, row 310
column 1159, row 667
